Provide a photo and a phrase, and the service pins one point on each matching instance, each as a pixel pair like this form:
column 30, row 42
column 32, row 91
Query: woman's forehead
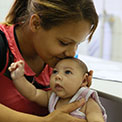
column 76, row 32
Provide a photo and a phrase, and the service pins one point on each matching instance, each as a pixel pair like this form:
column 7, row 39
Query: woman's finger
column 90, row 78
column 72, row 106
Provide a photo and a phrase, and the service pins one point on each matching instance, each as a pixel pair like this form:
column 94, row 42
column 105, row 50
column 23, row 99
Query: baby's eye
column 54, row 71
column 68, row 72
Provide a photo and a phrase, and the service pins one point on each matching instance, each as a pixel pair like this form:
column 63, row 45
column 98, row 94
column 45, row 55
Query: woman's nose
column 70, row 52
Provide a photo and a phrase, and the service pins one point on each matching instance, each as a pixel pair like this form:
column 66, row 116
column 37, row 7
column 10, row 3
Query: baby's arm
column 93, row 112
column 26, row 88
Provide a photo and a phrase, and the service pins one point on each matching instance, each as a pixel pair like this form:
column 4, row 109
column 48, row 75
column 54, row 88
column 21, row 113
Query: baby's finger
column 20, row 67
column 12, row 67
column 21, row 62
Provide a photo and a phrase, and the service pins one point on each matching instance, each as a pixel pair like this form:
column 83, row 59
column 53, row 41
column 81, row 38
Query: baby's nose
column 58, row 77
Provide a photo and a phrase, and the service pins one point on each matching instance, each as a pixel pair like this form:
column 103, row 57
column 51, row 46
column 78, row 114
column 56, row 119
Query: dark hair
column 54, row 12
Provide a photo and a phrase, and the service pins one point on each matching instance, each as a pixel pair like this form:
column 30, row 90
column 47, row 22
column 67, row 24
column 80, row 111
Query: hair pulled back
column 54, row 12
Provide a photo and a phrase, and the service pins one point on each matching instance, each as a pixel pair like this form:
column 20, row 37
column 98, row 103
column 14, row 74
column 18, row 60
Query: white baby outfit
column 83, row 92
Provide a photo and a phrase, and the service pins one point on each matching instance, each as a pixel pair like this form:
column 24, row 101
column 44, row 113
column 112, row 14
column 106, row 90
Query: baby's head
column 68, row 76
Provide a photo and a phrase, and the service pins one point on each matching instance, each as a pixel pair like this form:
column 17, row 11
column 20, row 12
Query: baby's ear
column 85, row 80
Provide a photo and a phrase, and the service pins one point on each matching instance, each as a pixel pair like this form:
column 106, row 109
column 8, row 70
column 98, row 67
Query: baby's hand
column 17, row 69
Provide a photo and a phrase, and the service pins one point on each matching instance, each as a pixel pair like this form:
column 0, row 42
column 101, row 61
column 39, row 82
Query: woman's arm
column 59, row 115
column 9, row 115
column 93, row 112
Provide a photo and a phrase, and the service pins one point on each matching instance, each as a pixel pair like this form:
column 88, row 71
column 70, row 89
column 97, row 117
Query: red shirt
column 9, row 95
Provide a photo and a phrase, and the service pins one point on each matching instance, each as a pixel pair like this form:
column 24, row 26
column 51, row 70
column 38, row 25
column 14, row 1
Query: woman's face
column 60, row 41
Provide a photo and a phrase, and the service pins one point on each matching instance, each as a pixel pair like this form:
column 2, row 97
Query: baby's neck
column 62, row 102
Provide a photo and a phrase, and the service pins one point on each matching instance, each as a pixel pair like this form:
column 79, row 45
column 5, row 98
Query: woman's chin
column 53, row 63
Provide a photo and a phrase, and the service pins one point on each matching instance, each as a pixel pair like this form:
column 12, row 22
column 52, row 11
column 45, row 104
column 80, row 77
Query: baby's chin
column 63, row 96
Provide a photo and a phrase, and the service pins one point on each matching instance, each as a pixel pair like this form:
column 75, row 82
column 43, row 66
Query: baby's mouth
column 58, row 87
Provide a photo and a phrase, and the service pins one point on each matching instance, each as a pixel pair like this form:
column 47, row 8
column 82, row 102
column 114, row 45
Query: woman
column 41, row 32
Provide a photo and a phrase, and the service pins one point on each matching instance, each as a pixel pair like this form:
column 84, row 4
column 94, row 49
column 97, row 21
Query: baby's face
column 66, row 78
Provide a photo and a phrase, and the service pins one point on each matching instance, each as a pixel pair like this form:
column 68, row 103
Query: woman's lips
column 60, row 58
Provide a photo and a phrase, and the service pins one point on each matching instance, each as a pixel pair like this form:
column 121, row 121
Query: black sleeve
column 3, row 50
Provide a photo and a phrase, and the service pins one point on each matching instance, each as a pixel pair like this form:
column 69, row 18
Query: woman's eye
column 68, row 72
column 54, row 71
column 63, row 43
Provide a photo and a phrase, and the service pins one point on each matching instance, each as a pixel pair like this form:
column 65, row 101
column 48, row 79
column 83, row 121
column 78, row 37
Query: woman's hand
column 62, row 114
column 59, row 115
column 90, row 75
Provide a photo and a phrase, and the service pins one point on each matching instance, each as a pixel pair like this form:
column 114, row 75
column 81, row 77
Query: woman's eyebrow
column 70, row 39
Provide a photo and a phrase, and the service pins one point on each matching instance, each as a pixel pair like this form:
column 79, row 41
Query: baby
column 68, row 83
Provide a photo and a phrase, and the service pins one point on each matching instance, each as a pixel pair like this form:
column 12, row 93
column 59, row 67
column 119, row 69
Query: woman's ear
column 35, row 22
column 85, row 80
